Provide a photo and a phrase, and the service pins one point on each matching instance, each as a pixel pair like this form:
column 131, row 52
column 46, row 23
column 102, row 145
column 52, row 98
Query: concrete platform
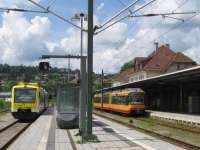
column 44, row 134
column 6, row 119
column 185, row 118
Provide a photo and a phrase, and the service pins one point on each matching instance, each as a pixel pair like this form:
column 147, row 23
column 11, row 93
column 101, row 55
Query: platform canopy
column 179, row 77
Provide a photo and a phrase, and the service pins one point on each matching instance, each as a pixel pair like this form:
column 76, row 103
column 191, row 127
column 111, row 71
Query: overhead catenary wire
column 122, row 3
column 119, row 13
column 55, row 14
column 165, row 14
column 146, row 32
column 182, row 4
column 21, row 10
column 121, row 19
column 51, row 3
column 175, row 27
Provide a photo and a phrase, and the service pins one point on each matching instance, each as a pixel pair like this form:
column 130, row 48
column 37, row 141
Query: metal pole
column 90, row 67
column 82, row 113
column 68, row 69
column 81, row 17
column 82, row 98
column 102, row 77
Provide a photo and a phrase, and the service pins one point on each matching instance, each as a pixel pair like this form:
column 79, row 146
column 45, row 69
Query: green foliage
column 126, row 66
column 4, row 105
column 13, row 74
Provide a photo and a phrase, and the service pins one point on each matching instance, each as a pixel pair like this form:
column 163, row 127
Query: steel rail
column 168, row 125
column 8, row 126
column 6, row 144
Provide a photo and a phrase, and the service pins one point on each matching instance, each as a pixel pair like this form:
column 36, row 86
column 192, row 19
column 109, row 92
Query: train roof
column 24, row 84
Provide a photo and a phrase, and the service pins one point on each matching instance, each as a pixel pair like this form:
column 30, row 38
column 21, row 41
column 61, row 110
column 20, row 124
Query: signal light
column 44, row 66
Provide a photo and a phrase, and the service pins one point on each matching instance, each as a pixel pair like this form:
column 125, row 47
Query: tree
column 126, row 66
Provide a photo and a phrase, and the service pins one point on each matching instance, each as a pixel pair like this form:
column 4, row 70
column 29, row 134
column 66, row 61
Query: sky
column 24, row 37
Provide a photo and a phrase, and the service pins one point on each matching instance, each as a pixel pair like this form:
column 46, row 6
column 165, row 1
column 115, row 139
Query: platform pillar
column 82, row 97
column 181, row 98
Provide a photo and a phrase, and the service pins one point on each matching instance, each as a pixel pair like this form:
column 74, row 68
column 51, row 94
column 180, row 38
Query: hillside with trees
column 10, row 75
column 126, row 66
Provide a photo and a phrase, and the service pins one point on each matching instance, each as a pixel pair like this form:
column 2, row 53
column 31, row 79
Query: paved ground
column 44, row 134
column 6, row 119
column 176, row 116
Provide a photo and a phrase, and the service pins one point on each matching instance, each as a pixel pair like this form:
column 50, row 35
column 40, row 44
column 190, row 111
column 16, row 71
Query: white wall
column 140, row 75
column 179, row 66
column 117, row 83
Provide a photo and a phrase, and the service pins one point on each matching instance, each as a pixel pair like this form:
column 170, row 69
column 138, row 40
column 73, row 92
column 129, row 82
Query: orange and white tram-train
column 127, row 101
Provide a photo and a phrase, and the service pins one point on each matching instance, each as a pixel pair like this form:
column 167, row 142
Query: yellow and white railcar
column 28, row 100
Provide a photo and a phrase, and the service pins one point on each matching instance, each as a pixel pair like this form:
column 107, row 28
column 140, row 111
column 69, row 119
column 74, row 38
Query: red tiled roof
column 180, row 57
column 160, row 60
column 124, row 76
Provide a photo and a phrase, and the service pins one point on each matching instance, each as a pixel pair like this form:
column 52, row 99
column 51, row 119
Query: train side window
column 105, row 99
column 97, row 100
column 120, row 100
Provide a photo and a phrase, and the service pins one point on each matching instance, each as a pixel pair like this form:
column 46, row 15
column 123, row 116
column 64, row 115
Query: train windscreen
column 136, row 98
column 25, row 95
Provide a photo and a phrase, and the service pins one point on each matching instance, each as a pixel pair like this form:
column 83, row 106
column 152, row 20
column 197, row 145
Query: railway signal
column 44, row 66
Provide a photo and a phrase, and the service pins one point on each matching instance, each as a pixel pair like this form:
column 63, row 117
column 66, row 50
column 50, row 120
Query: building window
column 140, row 66
column 180, row 66
column 141, row 77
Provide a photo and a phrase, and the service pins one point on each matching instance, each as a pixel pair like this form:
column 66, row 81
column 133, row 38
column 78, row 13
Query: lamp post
column 80, row 17
column 82, row 116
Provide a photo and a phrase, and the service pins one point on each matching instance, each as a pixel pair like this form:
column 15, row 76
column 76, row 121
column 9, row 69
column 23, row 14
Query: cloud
column 100, row 7
column 23, row 41
column 8, row 3
column 106, row 45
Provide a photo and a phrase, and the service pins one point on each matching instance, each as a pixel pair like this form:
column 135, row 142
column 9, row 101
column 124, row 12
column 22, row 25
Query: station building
column 170, row 80
column 162, row 60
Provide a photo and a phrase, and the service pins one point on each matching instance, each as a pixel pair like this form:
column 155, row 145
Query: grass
column 185, row 136
column 92, row 139
column 4, row 105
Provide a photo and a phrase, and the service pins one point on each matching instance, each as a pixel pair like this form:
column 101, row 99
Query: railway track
column 9, row 133
column 170, row 125
column 164, row 137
